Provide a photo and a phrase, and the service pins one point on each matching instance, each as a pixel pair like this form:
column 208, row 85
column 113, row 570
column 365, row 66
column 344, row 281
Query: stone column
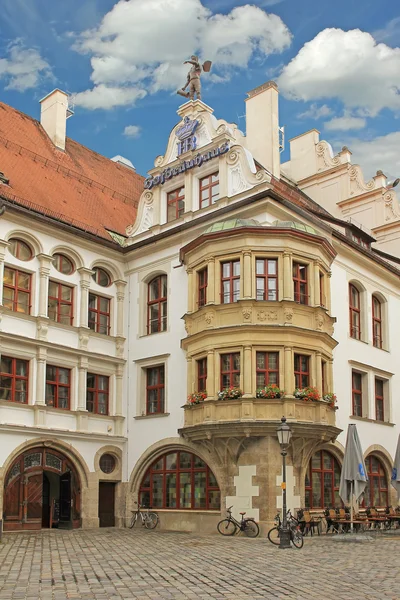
column 318, row 360
column 329, row 375
column 247, row 373
column 287, row 276
column 120, row 284
column 211, row 281
column 41, row 376
column 3, row 246
column 288, row 370
column 119, row 373
column 82, row 372
column 317, row 295
column 192, row 303
column 85, row 275
column 44, row 272
column 211, row 374
column 247, row 278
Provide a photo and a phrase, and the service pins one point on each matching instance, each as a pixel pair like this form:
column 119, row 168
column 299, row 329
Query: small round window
column 63, row 264
column 107, row 463
column 20, row 249
column 101, row 277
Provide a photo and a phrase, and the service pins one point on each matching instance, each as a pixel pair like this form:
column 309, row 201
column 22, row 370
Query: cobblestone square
column 108, row 564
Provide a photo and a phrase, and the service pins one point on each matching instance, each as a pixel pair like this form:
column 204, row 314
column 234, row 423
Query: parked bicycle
column 149, row 519
column 296, row 537
column 230, row 525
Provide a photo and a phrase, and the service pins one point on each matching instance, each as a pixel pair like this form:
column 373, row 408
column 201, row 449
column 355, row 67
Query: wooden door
column 46, row 507
column 65, row 501
column 13, row 503
column 33, row 500
column 107, row 504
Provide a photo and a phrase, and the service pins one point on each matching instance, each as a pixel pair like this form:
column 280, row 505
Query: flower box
column 270, row 391
column 307, row 394
column 330, row 399
column 196, row 398
column 231, row 393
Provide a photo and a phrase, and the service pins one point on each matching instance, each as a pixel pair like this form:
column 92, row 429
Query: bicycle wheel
column 296, row 538
column 151, row 520
column 226, row 527
column 274, row 536
column 133, row 521
column 251, row 529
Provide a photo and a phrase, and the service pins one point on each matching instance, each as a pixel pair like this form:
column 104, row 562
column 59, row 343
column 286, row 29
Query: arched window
column 157, row 304
column 376, row 492
column 63, row 264
column 322, row 481
column 180, row 480
column 376, row 322
column 354, row 312
column 101, row 277
column 20, row 249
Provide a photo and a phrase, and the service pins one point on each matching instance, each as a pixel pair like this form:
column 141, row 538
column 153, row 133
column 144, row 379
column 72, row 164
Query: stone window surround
column 144, row 277
column 142, row 365
column 248, row 383
column 368, row 375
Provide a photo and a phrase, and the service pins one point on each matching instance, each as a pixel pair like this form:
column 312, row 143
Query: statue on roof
column 193, row 78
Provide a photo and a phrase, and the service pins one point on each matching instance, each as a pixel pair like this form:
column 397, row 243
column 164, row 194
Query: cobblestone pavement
column 108, row 564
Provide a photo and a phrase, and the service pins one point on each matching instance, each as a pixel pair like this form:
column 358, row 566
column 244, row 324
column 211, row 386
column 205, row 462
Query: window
column 377, row 322
column 267, row 279
column 355, row 312
column 157, row 305
column 20, row 249
column 63, row 264
column 230, row 370
column 60, row 304
column 376, row 492
column 180, row 480
column 175, row 204
column 230, row 281
column 267, row 368
column 99, row 314
column 101, row 277
column 17, row 290
column 201, row 374
column 357, row 393
column 300, row 283
column 14, row 379
column 202, row 281
column 301, row 370
column 209, row 190
column 322, row 481
column 107, row 463
column 155, row 390
column 97, row 392
column 379, row 400
column 58, row 386
column 323, row 369
column 321, row 289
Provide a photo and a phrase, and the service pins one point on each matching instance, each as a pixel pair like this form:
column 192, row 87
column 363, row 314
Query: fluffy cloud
column 315, row 112
column 103, row 96
column 142, row 45
column 378, row 153
column 23, row 68
column 348, row 65
column 345, row 123
column 132, row 131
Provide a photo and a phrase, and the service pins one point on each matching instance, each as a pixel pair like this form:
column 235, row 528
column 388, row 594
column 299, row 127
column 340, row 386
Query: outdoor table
column 357, row 522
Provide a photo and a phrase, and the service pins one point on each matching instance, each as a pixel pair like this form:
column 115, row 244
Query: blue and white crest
column 187, row 129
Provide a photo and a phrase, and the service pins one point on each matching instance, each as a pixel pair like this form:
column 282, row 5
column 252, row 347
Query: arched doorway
column 41, row 489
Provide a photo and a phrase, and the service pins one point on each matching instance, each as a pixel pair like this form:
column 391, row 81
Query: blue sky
column 337, row 65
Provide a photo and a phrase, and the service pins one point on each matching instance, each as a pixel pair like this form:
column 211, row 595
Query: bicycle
column 230, row 525
column 150, row 520
column 296, row 537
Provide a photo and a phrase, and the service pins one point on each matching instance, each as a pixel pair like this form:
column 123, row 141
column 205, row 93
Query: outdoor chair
column 309, row 523
column 331, row 520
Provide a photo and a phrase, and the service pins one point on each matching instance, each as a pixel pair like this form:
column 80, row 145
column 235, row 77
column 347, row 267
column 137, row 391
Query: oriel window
column 267, row 279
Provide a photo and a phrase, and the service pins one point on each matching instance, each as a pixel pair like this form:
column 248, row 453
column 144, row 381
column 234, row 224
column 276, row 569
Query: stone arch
column 336, row 449
column 383, row 455
column 150, row 276
column 117, row 453
column 70, row 253
column 27, row 237
column 111, row 268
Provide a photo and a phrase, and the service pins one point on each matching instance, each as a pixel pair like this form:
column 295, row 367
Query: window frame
column 95, row 276
column 231, row 372
column 354, row 310
column 373, row 475
column 377, row 320
column 160, row 300
column 266, row 372
column 356, row 392
column 173, row 198
column 379, row 399
column 56, row 383
column 160, row 387
column 202, row 281
column 96, row 391
column 300, row 373
column 98, row 312
column 14, row 378
column 208, row 187
column 61, row 302
column 201, row 365
column 266, row 277
column 17, row 289
column 298, row 282
column 17, row 253
column 59, row 258
column 231, row 278
column 308, row 489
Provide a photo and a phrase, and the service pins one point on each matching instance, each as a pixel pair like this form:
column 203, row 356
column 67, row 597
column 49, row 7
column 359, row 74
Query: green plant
column 230, row 393
column 308, row 394
column 270, row 391
column 196, row 397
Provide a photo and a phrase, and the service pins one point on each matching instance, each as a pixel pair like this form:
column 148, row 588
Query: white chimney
column 53, row 116
column 262, row 126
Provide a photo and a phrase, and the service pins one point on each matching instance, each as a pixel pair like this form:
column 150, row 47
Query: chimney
column 53, row 116
column 262, row 126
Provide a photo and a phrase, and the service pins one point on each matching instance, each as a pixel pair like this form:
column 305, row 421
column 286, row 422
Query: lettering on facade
column 186, row 137
column 185, row 165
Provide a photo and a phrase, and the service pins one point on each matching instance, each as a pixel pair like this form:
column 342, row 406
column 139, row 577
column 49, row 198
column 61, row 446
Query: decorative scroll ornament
column 246, row 312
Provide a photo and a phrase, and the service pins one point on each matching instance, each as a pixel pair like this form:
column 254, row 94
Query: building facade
column 151, row 360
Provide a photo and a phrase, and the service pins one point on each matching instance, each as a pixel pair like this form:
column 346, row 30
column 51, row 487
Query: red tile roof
column 78, row 186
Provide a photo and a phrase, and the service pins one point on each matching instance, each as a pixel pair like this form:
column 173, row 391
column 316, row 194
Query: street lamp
column 284, row 434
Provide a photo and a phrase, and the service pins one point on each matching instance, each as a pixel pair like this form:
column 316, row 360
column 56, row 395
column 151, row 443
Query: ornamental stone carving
column 42, row 329
column 267, row 315
column 246, row 312
column 357, row 183
column 288, row 315
column 83, row 340
column 209, row 318
column 325, row 155
column 319, row 322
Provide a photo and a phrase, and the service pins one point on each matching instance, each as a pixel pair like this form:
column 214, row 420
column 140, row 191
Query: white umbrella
column 396, row 469
column 353, row 478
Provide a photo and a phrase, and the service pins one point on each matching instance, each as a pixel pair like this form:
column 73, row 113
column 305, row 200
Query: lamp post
column 284, row 434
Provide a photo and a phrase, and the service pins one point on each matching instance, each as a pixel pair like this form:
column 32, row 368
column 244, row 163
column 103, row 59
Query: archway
column 41, row 489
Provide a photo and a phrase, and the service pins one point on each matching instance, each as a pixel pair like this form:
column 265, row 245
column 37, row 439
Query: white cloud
column 378, row 153
column 142, row 45
column 316, row 112
column 102, row 96
column 23, row 68
column 390, row 32
column 345, row 123
column 132, row 131
column 348, row 65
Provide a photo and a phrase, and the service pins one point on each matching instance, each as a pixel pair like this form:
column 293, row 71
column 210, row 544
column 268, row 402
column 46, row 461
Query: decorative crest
column 187, row 129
